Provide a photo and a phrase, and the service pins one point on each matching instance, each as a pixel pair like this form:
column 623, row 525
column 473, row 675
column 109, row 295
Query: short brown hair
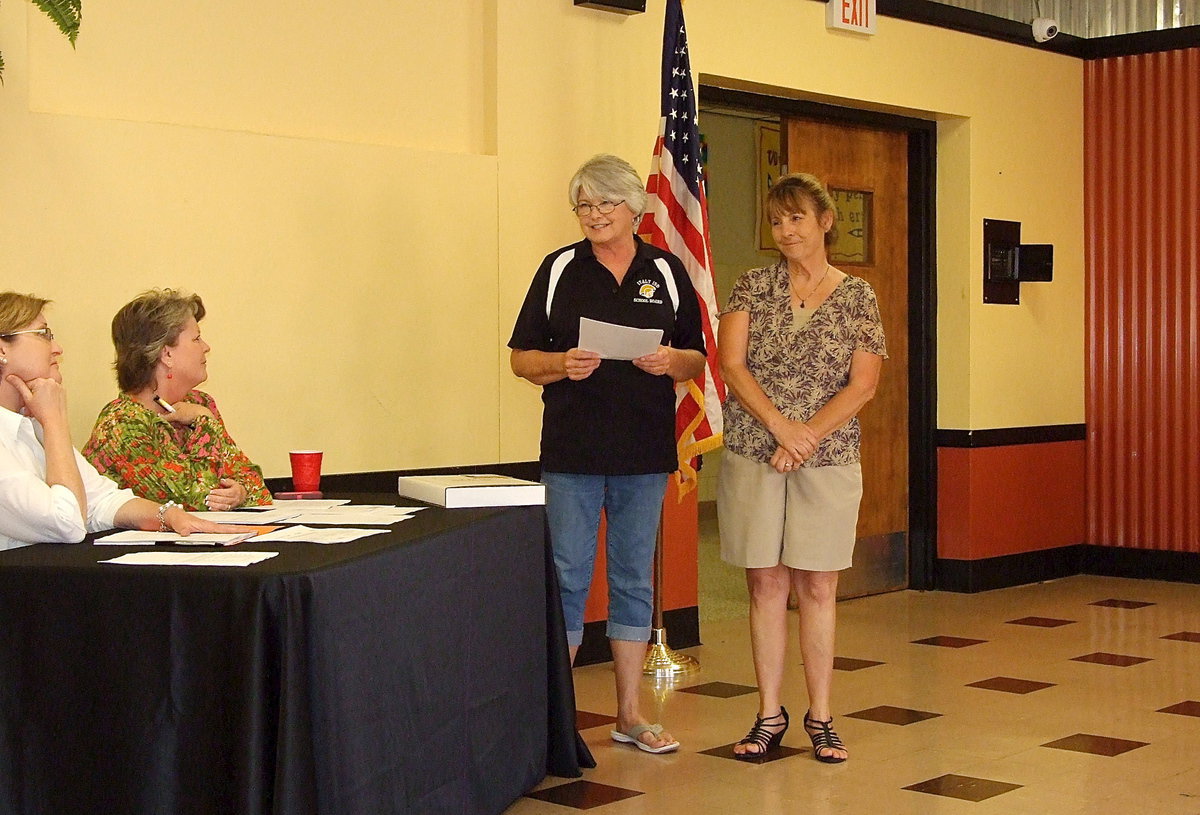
column 19, row 310
column 793, row 191
column 146, row 325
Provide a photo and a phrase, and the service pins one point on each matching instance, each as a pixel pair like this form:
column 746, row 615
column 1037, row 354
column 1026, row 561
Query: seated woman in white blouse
column 48, row 492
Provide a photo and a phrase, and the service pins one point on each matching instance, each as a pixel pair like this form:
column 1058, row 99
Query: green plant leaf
column 66, row 14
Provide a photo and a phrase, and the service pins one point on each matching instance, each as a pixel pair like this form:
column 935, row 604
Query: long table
column 406, row 672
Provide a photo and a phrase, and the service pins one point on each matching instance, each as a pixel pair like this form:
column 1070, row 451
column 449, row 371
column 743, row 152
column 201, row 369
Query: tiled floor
column 1079, row 696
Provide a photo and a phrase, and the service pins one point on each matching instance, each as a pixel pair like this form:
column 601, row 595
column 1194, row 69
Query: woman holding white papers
column 48, row 492
column 608, row 423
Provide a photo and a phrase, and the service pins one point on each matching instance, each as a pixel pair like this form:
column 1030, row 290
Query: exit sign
column 851, row 15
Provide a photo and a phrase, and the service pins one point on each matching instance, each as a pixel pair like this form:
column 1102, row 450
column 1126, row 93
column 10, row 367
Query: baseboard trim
column 1147, row 564
column 683, row 631
column 1008, row 436
column 985, row 574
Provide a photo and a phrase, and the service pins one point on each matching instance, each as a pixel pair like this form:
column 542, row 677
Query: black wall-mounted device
column 1000, row 242
column 1035, row 262
column 1007, row 262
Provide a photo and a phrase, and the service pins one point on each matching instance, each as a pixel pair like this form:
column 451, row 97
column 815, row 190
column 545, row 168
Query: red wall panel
column 1142, row 193
column 1008, row 500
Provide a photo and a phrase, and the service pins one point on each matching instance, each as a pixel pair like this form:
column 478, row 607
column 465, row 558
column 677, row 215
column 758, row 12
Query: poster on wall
column 770, row 168
column 855, row 226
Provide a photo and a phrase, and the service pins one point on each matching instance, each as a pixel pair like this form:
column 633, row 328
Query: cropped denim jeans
column 632, row 505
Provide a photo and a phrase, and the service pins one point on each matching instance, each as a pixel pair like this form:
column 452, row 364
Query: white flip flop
column 631, row 737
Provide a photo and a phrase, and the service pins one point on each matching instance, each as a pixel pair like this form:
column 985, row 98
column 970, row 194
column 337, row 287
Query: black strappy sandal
column 824, row 739
column 766, row 740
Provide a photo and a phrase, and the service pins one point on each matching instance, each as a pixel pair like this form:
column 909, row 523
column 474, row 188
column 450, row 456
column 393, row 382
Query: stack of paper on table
column 364, row 514
column 308, row 534
column 139, row 537
column 457, row 491
column 192, row 558
column 264, row 516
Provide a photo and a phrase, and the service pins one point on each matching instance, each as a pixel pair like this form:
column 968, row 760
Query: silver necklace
column 792, row 286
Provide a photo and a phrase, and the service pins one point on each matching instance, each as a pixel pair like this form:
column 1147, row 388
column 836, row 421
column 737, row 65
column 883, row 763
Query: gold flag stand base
column 662, row 662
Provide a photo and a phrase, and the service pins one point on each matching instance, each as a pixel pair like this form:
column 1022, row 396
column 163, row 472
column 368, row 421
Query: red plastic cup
column 306, row 470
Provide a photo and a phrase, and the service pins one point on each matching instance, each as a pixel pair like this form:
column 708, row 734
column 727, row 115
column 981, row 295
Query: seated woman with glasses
column 161, row 437
column 608, row 428
column 48, row 492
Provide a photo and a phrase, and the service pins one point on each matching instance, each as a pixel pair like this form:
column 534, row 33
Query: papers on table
column 138, row 537
column 273, row 513
column 356, row 515
column 268, row 515
column 301, row 504
column 618, row 341
column 336, row 513
column 307, row 534
column 191, row 558
column 331, row 513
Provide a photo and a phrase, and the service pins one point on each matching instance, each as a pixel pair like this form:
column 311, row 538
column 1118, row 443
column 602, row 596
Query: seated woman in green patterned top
column 162, row 438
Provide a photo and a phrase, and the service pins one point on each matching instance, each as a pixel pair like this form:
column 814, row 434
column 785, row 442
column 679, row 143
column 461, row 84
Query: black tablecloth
column 404, row 672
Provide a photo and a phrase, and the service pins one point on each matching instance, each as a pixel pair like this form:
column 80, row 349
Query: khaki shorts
column 804, row 519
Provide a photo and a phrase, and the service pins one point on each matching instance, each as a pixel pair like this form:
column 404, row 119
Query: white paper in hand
column 612, row 341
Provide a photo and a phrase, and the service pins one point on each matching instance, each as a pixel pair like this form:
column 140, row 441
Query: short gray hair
column 610, row 177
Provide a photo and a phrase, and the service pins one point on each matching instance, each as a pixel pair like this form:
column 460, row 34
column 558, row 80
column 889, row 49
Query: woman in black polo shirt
column 608, row 424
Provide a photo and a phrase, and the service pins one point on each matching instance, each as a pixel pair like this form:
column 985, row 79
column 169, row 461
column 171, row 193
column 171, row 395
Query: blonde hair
column 144, row 327
column 18, row 310
column 793, row 191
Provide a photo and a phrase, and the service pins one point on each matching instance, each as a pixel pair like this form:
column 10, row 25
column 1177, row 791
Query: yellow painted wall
column 1010, row 146
column 361, row 194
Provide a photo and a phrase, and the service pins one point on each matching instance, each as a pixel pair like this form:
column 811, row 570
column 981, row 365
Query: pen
column 163, row 403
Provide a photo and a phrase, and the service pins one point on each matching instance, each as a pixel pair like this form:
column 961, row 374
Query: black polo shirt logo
column 646, row 291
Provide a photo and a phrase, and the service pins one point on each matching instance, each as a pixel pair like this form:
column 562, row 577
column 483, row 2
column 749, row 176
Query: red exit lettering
column 855, row 12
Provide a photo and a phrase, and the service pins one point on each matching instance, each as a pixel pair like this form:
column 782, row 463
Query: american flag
column 676, row 219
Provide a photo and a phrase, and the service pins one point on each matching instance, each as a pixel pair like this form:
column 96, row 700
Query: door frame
column 922, row 295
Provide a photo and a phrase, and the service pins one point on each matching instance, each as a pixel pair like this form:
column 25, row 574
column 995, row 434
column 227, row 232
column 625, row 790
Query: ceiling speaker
column 619, row 6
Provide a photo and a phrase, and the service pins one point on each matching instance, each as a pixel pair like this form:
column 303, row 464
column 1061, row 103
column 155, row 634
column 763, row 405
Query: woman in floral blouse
column 801, row 345
column 162, row 438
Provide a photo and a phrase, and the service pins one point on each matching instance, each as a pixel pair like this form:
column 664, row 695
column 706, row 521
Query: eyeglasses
column 45, row 332
column 584, row 209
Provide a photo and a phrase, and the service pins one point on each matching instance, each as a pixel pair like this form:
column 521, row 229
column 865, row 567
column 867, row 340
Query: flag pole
column 662, row 661
column 676, row 219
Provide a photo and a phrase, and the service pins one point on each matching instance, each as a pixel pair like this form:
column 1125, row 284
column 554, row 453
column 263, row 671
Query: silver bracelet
column 162, row 516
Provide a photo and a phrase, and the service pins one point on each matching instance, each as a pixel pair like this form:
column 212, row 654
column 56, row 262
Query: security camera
column 1045, row 29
